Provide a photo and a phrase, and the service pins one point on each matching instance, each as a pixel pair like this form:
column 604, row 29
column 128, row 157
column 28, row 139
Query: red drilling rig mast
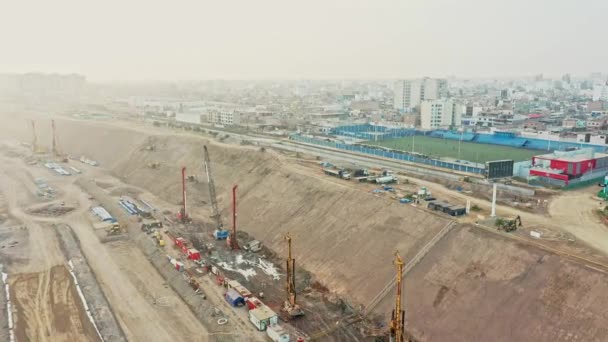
column 183, row 215
column 232, row 241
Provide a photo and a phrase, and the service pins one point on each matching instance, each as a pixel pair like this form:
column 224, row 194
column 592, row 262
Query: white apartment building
column 440, row 113
column 224, row 117
column 600, row 92
column 410, row 93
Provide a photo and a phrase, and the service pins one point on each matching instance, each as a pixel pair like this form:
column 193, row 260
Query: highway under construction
column 194, row 239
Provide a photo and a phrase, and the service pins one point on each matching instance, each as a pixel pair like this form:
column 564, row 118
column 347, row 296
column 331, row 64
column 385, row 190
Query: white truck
column 337, row 173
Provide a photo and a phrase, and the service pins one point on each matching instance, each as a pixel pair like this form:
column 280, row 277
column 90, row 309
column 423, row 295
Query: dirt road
column 575, row 212
column 47, row 305
column 137, row 293
column 49, row 308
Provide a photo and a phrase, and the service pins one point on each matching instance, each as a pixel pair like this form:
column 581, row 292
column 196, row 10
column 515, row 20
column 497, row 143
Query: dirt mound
column 51, row 210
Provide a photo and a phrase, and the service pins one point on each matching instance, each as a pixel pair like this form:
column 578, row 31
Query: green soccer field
column 474, row 152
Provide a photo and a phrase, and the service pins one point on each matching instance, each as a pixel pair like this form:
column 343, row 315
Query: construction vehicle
column 509, row 225
column 290, row 306
column 397, row 331
column 253, row 246
column 337, row 173
column 219, row 233
column 159, row 238
column 148, row 225
column 182, row 215
column 114, row 229
column 388, row 179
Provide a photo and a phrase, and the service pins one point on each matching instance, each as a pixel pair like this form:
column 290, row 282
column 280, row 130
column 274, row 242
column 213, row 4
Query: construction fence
column 379, row 152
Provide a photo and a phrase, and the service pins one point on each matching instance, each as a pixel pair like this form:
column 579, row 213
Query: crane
column 398, row 316
column 290, row 306
column 219, row 233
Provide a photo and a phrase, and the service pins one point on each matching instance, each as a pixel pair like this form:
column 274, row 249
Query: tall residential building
column 600, row 92
column 440, row 113
column 410, row 93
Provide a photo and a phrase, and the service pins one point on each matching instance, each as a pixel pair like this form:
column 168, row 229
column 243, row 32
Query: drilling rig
column 398, row 316
column 182, row 215
column 290, row 306
column 34, row 137
column 232, row 242
column 219, row 233
column 56, row 151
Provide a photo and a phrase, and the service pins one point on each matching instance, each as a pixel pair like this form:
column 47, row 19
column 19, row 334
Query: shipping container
column 234, row 298
column 263, row 317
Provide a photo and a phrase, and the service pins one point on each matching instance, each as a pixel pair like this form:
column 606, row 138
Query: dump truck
column 337, row 173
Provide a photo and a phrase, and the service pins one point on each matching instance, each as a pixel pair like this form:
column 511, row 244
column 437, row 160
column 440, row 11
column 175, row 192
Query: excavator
column 290, row 306
column 510, row 224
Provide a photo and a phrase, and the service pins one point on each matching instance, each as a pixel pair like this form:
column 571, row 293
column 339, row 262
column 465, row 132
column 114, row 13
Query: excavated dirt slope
column 476, row 286
column 346, row 237
column 473, row 286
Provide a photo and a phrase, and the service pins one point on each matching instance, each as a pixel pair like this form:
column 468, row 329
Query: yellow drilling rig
column 398, row 317
column 290, row 306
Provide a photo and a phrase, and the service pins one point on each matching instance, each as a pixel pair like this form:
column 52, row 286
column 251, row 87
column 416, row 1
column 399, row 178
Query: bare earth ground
column 132, row 298
column 47, row 306
column 475, row 286
column 472, row 286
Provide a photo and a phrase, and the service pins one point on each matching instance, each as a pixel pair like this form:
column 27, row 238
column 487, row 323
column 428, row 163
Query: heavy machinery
column 113, row 229
column 508, row 224
column 232, row 241
column 182, row 215
column 343, row 174
column 290, row 306
column 397, row 333
column 219, row 233
column 35, row 147
column 56, row 151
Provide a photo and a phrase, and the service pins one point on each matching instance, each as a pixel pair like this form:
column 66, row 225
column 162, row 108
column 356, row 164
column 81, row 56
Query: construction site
column 120, row 230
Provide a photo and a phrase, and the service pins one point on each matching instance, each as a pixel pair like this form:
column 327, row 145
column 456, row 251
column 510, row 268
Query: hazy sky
column 249, row 39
